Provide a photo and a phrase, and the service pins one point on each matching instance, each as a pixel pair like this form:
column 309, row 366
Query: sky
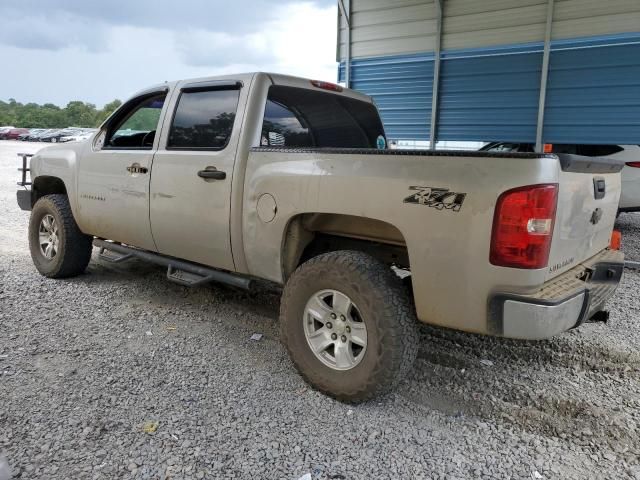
column 55, row 51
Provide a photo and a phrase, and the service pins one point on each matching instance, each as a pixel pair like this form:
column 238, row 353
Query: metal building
column 538, row 71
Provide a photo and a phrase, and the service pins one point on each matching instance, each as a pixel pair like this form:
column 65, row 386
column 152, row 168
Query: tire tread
column 77, row 246
column 397, row 324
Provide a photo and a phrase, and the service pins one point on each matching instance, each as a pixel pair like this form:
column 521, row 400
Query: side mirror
column 98, row 142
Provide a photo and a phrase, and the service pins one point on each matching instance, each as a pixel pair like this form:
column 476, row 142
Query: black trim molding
column 408, row 153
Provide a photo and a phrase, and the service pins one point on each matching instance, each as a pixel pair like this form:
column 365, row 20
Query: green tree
column 76, row 114
column 80, row 114
column 107, row 110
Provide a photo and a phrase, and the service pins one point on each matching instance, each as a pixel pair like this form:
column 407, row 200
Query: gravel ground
column 121, row 374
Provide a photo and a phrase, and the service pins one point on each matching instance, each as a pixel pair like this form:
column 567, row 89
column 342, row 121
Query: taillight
column 326, row 85
column 523, row 226
column 633, row 164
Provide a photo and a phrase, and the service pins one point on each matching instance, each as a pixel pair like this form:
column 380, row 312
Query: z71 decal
column 438, row 198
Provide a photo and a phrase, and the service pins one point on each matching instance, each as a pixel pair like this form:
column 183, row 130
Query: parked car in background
column 79, row 136
column 52, row 135
column 630, row 154
column 13, row 134
column 35, row 137
column 4, row 129
column 32, row 133
column 58, row 135
column 23, row 136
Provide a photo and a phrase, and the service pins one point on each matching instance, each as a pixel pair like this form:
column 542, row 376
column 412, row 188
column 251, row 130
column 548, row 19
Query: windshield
column 299, row 118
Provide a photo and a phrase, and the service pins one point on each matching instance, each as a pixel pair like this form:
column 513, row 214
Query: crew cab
column 263, row 176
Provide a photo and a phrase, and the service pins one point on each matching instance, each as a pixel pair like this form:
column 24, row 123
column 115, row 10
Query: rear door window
column 299, row 118
column 203, row 120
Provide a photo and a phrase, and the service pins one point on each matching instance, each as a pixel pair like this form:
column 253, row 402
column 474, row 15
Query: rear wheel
column 58, row 248
column 348, row 325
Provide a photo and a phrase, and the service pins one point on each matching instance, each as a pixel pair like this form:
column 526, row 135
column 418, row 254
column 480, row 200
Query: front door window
column 136, row 126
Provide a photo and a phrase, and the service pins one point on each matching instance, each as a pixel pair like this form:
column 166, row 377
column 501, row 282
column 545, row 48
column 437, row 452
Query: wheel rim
column 48, row 237
column 335, row 330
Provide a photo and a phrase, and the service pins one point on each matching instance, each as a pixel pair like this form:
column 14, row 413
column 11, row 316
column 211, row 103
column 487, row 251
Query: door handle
column 212, row 173
column 135, row 168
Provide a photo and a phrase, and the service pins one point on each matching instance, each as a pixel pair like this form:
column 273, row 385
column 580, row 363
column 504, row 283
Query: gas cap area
column 266, row 207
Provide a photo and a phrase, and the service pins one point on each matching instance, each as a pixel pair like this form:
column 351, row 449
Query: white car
column 630, row 154
column 76, row 137
column 630, row 198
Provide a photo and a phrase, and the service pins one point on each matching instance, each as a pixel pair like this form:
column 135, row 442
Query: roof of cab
column 245, row 78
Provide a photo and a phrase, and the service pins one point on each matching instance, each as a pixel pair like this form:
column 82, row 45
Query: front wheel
column 348, row 325
column 58, row 248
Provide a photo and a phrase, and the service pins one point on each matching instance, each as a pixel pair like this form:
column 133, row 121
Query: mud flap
column 24, row 199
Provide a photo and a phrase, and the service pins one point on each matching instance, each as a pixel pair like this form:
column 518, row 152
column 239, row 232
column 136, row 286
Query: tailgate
column 588, row 196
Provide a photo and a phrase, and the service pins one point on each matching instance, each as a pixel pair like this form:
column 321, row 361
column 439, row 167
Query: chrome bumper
column 561, row 304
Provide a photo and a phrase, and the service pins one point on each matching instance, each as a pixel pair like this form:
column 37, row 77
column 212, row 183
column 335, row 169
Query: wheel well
column 46, row 185
column 312, row 234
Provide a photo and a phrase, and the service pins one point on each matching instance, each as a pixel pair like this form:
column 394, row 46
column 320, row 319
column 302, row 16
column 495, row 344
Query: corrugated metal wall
column 593, row 92
column 482, row 23
column 587, row 18
column 490, row 98
column 491, row 67
column 388, row 27
column 402, row 88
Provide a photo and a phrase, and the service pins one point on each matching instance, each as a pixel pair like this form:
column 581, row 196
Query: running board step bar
column 179, row 271
column 186, row 278
column 112, row 258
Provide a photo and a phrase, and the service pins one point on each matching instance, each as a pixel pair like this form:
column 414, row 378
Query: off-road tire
column 74, row 247
column 386, row 309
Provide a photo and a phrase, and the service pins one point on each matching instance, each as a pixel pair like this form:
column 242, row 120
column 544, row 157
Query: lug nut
column 334, row 336
column 333, row 315
column 348, row 329
column 329, row 326
column 342, row 317
column 343, row 338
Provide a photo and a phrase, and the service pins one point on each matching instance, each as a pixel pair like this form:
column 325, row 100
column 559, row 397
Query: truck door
column 113, row 177
column 192, row 171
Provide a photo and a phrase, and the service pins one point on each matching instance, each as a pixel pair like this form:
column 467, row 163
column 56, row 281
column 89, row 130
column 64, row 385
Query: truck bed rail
column 568, row 162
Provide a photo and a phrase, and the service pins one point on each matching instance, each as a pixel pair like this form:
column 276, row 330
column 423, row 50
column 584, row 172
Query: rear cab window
column 304, row 118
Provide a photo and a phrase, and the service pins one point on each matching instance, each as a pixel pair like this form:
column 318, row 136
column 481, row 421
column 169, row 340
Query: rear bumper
column 561, row 304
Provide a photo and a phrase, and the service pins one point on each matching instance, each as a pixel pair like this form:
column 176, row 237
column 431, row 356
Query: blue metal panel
column 490, row 95
column 593, row 91
column 402, row 88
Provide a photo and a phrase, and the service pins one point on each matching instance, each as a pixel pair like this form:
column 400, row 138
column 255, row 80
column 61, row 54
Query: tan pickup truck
column 261, row 176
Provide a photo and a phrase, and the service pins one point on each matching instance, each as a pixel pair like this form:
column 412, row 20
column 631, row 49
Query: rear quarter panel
column 448, row 250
